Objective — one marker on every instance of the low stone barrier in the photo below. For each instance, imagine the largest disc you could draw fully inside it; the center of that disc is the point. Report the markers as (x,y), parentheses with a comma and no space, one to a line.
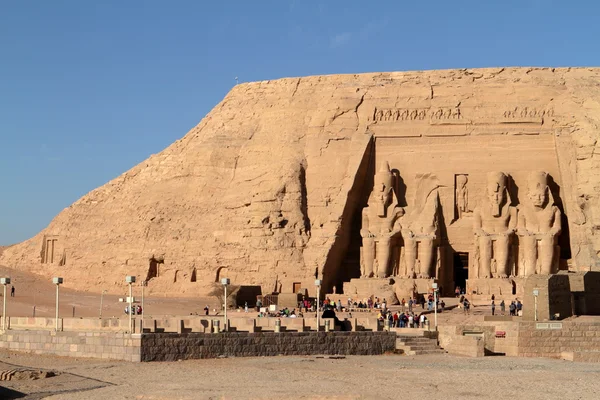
(172,347)
(186,324)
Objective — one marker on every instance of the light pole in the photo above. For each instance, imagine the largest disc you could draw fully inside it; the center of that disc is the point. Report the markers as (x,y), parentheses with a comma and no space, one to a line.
(225,283)
(318,285)
(144,284)
(536,293)
(4,282)
(435,290)
(57,281)
(130,280)
(101,302)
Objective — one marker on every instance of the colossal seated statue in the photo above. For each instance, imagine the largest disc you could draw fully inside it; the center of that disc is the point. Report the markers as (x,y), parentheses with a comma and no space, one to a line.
(494,225)
(378,225)
(538,228)
(420,230)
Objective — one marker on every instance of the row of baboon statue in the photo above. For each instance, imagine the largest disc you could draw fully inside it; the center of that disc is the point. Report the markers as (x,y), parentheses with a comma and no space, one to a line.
(496,224)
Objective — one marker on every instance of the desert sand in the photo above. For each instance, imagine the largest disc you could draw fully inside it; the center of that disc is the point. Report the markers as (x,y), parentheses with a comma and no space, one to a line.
(354,377)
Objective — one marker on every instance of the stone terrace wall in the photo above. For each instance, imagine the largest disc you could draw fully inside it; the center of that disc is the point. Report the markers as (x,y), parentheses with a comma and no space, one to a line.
(574,340)
(171,347)
(117,346)
(574,337)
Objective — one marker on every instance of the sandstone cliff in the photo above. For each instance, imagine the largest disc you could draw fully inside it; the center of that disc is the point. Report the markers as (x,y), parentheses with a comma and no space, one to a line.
(263,190)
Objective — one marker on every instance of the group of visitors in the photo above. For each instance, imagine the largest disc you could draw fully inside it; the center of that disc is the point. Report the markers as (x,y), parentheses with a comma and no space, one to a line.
(403,319)
(515,307)
(284,313)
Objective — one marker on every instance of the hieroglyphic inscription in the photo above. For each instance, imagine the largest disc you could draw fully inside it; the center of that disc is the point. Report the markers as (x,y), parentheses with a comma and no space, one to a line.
(399,114)
(452,113)
(416,114)
(519,114)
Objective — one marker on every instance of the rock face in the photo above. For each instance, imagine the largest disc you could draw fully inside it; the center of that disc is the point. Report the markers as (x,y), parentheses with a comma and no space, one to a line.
(269,188)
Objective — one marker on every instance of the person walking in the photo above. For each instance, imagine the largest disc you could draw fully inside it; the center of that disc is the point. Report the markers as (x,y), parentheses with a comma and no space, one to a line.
(502,307)
(493,307)
(12,291)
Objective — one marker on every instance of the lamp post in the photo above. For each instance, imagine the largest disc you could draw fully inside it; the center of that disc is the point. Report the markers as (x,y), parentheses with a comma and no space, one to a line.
(4,282)
(225,282)
(144,284)
(101,302)
(130,280)
(57,281)
(435,290)
(318,283)
(536,293)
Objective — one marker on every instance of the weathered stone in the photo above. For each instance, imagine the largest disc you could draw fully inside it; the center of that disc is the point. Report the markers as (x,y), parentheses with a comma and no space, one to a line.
(269,188)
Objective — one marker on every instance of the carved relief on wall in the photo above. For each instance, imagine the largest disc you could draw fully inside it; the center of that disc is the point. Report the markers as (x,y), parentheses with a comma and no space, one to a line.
(416,114)
(461,195)
(538,228)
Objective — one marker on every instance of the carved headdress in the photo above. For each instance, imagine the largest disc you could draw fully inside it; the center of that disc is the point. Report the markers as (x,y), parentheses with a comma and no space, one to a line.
(537,182)
(497,184)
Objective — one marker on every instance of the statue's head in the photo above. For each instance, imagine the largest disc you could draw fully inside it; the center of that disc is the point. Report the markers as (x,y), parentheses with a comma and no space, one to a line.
(538,188)
(496,191)
(461,181)
(383,178)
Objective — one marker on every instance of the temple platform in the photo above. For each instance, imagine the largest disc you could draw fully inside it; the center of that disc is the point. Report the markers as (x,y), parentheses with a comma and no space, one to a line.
(502,288)
(393,289)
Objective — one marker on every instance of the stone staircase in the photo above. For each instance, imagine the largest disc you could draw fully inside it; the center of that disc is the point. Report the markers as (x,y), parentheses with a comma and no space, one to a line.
(417,345)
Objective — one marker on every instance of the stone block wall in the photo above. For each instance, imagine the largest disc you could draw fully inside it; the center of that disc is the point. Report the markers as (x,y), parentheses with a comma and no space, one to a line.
(573,336)
(69,324)
(171,347)
(470,346)
(554,297)
(108,345)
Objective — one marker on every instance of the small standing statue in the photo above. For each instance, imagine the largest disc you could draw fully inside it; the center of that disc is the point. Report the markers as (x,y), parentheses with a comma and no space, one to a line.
(378,221)
(539,227)
(494,225)
(462,195)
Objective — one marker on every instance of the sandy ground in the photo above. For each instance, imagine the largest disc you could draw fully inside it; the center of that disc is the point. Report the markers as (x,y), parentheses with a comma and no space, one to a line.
(355,377)
(32,290)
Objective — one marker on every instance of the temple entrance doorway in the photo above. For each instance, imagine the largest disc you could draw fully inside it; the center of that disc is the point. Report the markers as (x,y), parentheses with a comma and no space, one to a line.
(461,270)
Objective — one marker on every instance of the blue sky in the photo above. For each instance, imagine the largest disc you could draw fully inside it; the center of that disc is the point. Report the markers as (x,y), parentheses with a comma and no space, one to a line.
(89,89)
